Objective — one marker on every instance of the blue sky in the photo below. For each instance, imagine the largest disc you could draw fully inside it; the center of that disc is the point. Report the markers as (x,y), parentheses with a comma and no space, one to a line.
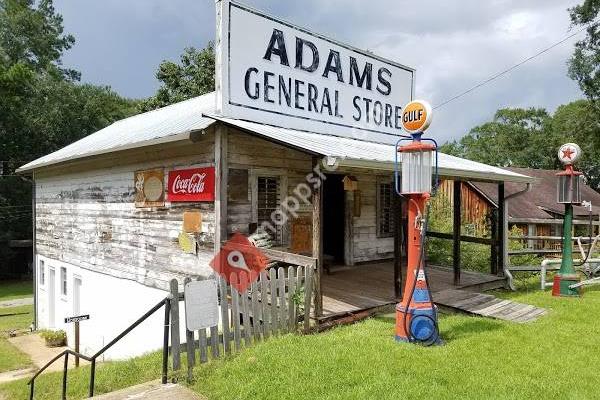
(453,44)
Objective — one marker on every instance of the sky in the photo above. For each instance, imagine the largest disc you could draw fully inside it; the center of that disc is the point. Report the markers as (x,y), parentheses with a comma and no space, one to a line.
(453,44)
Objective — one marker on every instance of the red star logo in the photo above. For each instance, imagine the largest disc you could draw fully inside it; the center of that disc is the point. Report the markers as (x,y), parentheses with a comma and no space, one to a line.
(567,153)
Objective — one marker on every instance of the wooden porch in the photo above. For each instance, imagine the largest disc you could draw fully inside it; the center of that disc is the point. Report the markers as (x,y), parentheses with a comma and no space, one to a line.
(351,289)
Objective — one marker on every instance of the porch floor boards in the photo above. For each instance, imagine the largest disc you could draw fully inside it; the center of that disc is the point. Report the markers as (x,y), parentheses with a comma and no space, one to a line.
(351,289)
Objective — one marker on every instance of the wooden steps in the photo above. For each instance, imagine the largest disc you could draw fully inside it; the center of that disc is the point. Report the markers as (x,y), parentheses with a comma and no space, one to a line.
(487,305)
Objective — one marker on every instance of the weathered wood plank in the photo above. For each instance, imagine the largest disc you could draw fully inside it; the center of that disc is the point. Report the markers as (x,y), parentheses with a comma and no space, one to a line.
(214,341)
(202,345)
(225,315)
(175,338)
(283,323)
(189,344)
(235,312)
(308,293)
(291,307)
(246,313)
(264,288)
(256,312)
(273,299)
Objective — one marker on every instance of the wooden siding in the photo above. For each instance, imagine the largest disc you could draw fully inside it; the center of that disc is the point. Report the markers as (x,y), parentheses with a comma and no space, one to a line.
(86,216)
(475,208)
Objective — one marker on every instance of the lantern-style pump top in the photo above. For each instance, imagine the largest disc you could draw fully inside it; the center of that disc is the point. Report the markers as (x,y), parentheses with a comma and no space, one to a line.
(417,157)
(569,186)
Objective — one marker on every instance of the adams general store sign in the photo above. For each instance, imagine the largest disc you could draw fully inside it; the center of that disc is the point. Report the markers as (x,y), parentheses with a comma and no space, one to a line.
(274,72)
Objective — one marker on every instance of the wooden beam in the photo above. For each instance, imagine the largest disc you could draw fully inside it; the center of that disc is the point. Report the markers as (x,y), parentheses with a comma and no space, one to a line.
(317,238)
(397,217)
(502,229)
(550,221)
(463,238)
(456,224)
(494,244)
(221,177)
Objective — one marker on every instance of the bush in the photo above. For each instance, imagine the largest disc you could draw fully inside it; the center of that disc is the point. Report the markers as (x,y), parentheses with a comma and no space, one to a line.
(54,338)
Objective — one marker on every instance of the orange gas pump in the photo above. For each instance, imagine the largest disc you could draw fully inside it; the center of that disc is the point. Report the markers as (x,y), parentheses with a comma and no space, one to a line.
(416,315)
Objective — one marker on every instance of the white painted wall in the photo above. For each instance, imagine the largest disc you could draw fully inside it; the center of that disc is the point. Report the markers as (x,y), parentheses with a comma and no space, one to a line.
(113,304)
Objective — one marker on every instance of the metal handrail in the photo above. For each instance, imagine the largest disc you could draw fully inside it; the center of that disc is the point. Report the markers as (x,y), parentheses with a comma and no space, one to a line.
(166,302)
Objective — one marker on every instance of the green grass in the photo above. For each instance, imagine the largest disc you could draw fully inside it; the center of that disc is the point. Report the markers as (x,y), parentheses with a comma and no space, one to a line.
(553,358)
(110,376)
(11,319)
(15,289)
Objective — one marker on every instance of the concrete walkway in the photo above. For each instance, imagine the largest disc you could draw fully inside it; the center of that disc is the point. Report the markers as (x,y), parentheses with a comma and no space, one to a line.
(26,301)
(153,390)
(35,347)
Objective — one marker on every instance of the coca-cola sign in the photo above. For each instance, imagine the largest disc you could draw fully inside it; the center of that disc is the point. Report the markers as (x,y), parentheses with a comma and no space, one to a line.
(197,184)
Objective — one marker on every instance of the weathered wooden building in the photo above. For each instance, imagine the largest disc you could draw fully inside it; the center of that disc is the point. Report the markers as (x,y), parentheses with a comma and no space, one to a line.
(152,197)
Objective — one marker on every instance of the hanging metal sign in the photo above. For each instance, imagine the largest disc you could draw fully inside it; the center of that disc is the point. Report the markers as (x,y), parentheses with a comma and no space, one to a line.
(77,318)
(201,304)
(274,72)
(569,153)
(196,184)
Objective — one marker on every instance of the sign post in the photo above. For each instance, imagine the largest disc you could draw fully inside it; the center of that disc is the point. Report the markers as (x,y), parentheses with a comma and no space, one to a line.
(76,320)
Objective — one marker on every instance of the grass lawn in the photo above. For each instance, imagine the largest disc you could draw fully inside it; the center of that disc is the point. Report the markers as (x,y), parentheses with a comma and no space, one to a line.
(13,318)
(553,358)
(15,289)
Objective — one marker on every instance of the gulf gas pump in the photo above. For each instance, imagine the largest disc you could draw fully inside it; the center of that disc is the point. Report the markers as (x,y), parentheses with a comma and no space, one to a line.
(416,315)
(568,193)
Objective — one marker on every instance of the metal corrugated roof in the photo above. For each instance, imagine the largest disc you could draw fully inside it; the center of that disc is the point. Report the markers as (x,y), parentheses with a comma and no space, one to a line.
(362,153)
(167,124)
(177,121)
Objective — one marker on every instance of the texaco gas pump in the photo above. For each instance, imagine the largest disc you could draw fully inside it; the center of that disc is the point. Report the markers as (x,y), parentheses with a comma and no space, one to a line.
(416,315)
(568,193)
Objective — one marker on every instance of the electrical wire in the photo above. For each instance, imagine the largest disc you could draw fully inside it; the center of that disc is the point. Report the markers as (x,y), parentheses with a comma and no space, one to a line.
(515,66)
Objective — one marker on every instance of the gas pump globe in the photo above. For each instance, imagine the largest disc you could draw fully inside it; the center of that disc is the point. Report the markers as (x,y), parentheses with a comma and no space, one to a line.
(417,167)
(568,193)
(568,185)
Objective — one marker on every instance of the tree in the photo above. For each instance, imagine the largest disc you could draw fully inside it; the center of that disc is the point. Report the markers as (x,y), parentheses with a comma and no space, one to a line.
(194,76)
(515,137)
(584,65)
(531,138)
(42,108)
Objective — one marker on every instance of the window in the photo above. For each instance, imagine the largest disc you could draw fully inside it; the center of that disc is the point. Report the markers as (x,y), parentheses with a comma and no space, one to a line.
(267,202)
(42,273)
(63,281)
(385,214)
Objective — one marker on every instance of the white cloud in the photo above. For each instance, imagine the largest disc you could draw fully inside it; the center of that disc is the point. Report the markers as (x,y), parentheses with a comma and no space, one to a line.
(453,44)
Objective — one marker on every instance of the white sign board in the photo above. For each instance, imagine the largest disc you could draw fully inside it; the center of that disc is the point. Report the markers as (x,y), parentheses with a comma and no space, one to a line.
(201,304)
(273,72)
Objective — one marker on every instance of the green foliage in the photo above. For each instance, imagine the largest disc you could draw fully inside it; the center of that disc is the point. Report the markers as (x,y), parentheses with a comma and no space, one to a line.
(193,76)
(15,290)
(41,108)
(531,138)
(514,138)
(584,65)
(54,338)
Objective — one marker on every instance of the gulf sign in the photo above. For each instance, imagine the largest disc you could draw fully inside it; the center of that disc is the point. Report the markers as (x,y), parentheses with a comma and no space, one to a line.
(416,116)
(274,72)
(196,184)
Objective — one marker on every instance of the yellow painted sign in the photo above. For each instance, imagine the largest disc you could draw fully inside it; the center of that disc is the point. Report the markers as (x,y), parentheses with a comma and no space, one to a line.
(416,116)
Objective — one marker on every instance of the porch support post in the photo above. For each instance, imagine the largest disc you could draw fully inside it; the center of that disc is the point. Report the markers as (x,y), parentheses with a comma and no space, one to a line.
(494,244)
(502,229)
(221,178)
(397,218)
(456,231)
(317,237)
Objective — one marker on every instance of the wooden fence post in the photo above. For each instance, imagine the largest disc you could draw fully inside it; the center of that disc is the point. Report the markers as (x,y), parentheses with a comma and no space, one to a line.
(225,315)
(189,344)
(175,338)
(308,288)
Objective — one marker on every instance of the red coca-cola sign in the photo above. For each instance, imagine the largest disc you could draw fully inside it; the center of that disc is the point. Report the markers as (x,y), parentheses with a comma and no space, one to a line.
(197,184)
